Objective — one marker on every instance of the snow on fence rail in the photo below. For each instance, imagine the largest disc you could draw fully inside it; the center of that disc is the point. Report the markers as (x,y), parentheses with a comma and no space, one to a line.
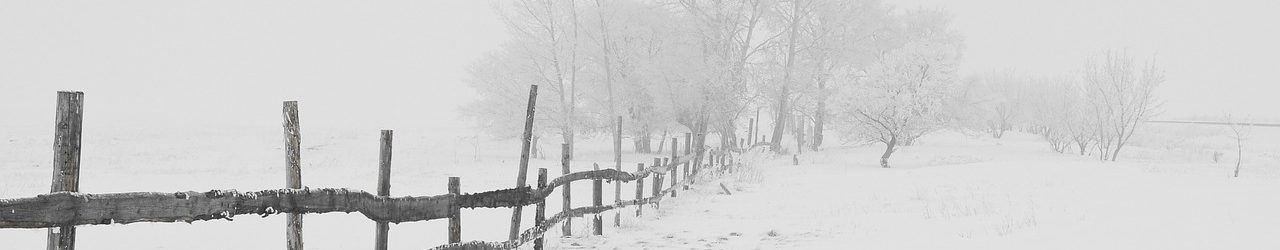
(65,207)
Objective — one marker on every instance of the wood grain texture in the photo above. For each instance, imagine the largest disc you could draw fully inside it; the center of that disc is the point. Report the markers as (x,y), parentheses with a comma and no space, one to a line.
(540,214)
(68,123)
(293,171)
(567,156)
(455,213)
(526,145)
(68,208)
(381,229)
(71,208)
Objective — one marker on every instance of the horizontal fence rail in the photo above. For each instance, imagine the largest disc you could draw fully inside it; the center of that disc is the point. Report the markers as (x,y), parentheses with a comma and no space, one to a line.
(1254,124)
(71,208)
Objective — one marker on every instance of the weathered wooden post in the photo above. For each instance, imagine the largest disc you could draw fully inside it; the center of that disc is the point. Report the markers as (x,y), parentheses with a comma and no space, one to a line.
(455,211)
(667,162)
(293,171)
(540,214)
(657,179)
(66,159)
(751,131)
(565,204)
(688,147)
(617,160)
(597,199)
(384,187)
(639,189)
(526,142)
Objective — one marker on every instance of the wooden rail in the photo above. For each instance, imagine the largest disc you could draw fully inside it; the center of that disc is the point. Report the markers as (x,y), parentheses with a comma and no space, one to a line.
(66,208)
(1255,124)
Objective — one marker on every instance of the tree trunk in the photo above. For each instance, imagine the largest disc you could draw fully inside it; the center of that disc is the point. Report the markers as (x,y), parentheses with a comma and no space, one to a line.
(819,117)
(641,140)
(780,124)
(799,130)
(888,150)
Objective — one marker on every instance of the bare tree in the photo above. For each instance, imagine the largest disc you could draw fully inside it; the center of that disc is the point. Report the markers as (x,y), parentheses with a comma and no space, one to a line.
(1121,93)
(1239,133)
(902,97)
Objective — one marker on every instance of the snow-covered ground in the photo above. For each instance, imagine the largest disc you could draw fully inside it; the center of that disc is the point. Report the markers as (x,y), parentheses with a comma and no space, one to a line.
(950,191)
(958,192)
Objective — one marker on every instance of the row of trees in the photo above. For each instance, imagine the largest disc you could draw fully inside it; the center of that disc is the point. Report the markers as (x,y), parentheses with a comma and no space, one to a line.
(874,73)
(702,65)
(1095,111)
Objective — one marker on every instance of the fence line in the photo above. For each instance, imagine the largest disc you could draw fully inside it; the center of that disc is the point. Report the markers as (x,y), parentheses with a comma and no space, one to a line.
(66,208)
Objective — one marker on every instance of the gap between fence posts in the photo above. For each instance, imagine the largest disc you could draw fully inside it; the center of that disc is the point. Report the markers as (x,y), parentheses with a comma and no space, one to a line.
(540,213)
(67,130)
(526,142)
(565,204)
(293,171)
(384,187)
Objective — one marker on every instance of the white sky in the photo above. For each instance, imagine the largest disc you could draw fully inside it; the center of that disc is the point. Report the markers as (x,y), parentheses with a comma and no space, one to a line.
(403,64)
(396,64)
(1220,56)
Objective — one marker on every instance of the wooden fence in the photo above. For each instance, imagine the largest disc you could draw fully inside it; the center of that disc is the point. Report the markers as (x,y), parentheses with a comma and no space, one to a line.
(65,207)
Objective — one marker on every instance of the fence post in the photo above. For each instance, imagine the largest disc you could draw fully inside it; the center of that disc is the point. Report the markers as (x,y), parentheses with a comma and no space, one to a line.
(293,171)
(675,177)
(565,204)
(657,180)
(639,189)
(526,142)
(540,214)
(597,199)
(66,164)
(751,132)
(617,160)
(455,211)
(384,187)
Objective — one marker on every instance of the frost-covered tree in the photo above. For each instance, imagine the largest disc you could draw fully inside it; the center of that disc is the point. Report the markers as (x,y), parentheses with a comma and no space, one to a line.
(544,50)
(902,97)
(1121,94)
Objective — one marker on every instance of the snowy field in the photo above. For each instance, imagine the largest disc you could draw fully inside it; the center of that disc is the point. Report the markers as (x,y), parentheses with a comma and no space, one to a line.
(950,191)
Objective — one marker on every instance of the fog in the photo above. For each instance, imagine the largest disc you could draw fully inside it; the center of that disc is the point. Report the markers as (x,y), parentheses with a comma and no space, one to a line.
(230,64)
(403,64)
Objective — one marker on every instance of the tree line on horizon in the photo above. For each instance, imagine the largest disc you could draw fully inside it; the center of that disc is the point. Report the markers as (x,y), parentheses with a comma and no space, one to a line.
(863,69)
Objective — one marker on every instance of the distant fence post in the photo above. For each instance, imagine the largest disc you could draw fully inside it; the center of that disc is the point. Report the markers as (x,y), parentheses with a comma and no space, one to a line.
(667,162)
(384,187)
(639,189)
(675,167)
(565,204)
(526,142)
(617,160)
(597,199)
(293,171)
(657,180)
(540,214)
(455,211)
(688,147)
(66,164)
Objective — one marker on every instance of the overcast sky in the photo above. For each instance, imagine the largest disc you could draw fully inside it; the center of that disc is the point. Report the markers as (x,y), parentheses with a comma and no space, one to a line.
(403,63)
